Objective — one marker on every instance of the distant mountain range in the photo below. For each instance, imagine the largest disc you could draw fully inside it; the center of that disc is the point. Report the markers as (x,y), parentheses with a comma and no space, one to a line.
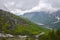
(49,19)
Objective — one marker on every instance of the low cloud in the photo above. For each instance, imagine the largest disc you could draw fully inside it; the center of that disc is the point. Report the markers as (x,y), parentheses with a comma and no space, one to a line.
(42,6)
(20,7)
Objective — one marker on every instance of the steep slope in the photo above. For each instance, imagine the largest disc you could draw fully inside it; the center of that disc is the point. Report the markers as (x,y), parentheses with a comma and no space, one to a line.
(57,13)
(56,25)
(10,23)
(43,17)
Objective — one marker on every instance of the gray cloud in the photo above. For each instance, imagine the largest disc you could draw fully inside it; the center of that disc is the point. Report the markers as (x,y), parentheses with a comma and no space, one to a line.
(20,4)
(26,4)
(54,3)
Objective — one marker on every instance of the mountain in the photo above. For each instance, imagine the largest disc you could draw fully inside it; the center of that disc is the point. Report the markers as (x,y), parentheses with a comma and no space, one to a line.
(44,17)
(57,13)
(13,24)
(57,25)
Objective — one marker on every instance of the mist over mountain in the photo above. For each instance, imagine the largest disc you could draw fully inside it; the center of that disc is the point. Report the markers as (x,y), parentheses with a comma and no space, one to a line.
(50,19)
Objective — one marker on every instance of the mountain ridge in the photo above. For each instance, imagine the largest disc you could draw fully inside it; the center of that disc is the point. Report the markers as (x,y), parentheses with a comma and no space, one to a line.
(43,17)
(10,23)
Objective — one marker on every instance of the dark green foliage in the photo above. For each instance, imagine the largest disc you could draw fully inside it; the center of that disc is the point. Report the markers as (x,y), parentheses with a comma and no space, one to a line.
(13,24)
(51,35)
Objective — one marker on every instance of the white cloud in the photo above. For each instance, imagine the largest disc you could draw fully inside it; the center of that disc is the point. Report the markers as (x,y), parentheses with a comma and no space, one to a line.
(28,4)
(41,6)
(17,6)
(9,5)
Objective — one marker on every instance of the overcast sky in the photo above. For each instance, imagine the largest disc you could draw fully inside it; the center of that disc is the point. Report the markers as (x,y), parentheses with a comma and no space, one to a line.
(28,5)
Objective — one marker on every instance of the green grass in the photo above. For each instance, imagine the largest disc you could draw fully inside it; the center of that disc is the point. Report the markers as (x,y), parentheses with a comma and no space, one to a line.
(16,25)
(13,24)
